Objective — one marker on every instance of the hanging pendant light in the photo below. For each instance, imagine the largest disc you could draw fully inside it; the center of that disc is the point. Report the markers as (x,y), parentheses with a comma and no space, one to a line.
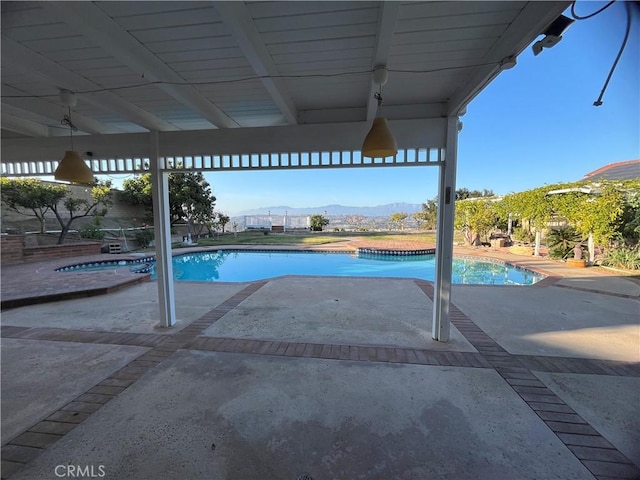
(379,142)
(72,168)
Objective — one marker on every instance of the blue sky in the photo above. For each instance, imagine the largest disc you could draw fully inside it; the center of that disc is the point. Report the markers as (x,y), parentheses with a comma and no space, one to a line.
(534,125)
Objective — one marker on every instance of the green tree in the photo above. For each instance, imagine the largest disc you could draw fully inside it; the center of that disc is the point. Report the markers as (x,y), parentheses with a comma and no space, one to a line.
(74,208)
(631,216)
(534,206)
(396,220)
(464,193)
(607,210)
(190,196)
(599,214)
(428,217)
(137,191)
(218,220)
(317,222)
(31,197)
(474,218)
(38,198)
(223,220)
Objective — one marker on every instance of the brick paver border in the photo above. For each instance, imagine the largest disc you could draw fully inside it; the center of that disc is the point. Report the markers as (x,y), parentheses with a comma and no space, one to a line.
(28,445)
(599,456)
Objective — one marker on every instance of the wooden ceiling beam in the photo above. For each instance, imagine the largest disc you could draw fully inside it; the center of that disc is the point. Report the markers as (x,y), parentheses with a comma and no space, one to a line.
(520,33)
(90,20)
(53,73)
(237,17)
(386,26)
(23,126)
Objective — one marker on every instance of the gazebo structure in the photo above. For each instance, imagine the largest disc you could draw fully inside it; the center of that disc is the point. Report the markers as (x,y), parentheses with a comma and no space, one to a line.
(222,86)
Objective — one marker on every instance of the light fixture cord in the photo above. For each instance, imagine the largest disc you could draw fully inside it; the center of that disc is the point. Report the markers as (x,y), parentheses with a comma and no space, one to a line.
(261,77)
(71,128)
(598,102)
(378,97)
(66,120)
(579,17)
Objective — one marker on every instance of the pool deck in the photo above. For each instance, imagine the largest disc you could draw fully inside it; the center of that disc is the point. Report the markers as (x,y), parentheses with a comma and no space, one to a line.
(327,377)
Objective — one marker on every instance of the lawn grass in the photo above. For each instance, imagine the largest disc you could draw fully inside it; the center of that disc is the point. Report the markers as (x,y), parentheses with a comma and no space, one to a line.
(408,236)
(251,238)
(310,238)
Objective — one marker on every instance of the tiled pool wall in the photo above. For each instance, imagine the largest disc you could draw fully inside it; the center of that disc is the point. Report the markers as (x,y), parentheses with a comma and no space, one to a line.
(395,253)
(145,264)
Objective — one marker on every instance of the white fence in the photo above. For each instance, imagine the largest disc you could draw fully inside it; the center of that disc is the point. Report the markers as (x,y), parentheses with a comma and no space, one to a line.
(268,222)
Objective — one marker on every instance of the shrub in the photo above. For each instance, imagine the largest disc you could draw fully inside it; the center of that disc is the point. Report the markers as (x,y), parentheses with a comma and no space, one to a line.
(523,235)
(623,257)
(143,237)
(562,241)
(92,231)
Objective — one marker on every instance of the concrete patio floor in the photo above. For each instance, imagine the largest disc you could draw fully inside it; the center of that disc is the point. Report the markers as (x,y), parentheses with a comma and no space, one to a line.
(333,378)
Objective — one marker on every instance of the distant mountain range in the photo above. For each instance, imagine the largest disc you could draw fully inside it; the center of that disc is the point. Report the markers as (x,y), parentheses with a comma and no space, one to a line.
(377,211)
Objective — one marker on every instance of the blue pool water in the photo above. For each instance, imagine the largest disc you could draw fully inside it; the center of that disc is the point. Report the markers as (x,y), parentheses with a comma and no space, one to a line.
(246,266)
(243,266)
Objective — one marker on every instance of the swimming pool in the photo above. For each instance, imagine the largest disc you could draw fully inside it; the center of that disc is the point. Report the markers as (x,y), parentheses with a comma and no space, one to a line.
(246,266)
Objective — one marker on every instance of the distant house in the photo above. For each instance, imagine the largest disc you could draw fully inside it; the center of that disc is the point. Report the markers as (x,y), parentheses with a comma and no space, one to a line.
(616,171)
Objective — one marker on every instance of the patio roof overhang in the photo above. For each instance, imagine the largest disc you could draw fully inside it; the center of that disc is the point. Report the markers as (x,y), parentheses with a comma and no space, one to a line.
(121,153)
(180,67)
(208,79)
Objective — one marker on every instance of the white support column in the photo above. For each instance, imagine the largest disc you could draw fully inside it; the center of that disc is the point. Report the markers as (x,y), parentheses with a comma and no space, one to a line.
(591,246)
(444,243)
(162,230)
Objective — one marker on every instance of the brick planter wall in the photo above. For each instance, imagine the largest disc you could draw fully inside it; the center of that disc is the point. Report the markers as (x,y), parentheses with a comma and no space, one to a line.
(14,252)
(11,249)
(50,252)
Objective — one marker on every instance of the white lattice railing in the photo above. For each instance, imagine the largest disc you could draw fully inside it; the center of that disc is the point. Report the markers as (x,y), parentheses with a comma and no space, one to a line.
(271,161)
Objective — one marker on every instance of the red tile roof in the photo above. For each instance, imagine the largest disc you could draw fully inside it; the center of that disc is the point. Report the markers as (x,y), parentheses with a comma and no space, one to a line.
(616,171)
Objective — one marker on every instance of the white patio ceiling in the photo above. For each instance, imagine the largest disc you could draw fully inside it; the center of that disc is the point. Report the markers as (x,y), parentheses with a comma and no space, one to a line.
(208,80)
(176,67)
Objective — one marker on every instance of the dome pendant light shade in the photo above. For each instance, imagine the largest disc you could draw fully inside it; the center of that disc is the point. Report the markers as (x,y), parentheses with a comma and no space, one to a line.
(379,142)
(72,168)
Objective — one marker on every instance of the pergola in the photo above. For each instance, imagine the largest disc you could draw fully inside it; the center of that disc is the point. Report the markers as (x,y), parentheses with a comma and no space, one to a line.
(220,86)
